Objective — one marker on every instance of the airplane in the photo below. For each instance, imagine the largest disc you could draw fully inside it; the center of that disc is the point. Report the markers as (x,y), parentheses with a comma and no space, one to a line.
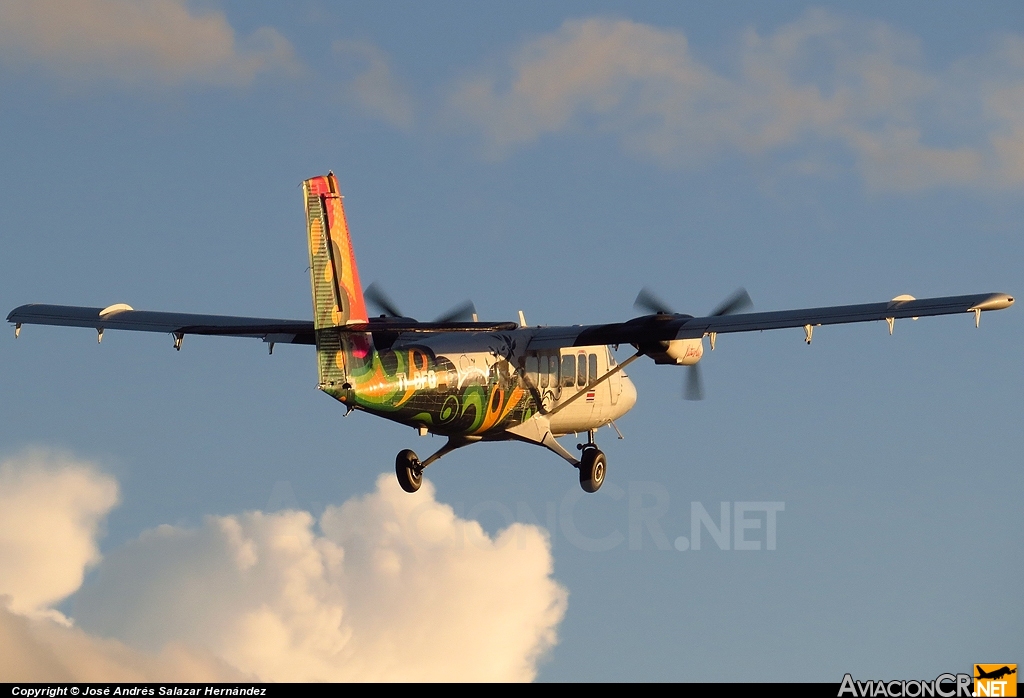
(996,674)
(474,381)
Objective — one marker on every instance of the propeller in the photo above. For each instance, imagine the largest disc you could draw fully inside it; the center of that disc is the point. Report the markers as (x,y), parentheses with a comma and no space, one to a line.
(693,387)
(373,293)
(460,313)
(646,300)
(736,303)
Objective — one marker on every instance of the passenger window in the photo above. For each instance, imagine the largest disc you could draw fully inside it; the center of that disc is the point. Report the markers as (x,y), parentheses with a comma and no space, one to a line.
(593,368)
(568,370)
(581,376)
(532,369)
(553,369)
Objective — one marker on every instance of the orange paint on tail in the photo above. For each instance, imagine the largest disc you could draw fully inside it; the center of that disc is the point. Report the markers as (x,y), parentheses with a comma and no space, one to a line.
(337,293)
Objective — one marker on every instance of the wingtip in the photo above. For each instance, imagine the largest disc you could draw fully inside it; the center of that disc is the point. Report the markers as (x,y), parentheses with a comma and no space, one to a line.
(996,301)
(13,315)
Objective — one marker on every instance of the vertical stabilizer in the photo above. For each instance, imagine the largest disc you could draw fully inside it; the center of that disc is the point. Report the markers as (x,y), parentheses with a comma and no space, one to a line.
(337,293)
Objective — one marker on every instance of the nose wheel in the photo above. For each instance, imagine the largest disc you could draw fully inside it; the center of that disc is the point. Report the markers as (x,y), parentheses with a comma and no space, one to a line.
(409,470)
(593,465)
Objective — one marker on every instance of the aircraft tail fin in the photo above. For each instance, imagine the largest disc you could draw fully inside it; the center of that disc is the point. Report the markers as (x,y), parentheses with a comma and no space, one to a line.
(337,293)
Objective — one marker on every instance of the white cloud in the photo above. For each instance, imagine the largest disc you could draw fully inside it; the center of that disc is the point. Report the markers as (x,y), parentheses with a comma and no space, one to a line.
(51,507)
(391,587)
(374,87)
(51,510)
(395,588)
(41,650)
(817,87)
(146,42)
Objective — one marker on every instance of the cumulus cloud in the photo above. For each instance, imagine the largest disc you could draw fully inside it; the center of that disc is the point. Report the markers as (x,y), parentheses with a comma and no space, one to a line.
(152,42)
(51,508)
(821,87)
(41,650)
(386,586)
(374,86)
(393,588)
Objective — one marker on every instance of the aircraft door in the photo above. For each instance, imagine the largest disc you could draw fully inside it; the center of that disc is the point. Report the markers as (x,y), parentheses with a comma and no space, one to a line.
(574,377)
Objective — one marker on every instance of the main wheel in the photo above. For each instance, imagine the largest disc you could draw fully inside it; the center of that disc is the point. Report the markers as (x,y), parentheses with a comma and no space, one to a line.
(592,469)
(408,470)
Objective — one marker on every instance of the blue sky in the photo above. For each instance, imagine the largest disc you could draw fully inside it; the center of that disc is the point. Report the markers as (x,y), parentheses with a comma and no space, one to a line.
(554,159)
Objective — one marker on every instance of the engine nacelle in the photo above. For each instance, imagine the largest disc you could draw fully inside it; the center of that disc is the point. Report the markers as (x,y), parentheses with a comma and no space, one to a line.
(679,352)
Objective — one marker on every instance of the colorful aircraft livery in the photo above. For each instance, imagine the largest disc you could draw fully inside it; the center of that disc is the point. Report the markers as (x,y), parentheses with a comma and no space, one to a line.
(477,381)
(337,294)
(410,383)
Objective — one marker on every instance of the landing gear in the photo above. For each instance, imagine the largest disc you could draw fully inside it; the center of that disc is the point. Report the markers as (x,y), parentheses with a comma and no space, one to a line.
(592,469)
(409,470)
(592,465)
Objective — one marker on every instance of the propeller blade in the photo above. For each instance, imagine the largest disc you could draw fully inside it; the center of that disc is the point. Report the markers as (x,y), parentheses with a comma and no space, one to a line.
(694,388)
(648,301)
(737,302)
(378,298)
(460,313)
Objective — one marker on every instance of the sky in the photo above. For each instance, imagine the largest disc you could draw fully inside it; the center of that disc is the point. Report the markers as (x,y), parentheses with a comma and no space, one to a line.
(208,514)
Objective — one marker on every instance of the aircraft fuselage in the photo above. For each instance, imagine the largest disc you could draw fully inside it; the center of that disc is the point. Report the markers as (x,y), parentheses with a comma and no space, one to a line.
(476,384)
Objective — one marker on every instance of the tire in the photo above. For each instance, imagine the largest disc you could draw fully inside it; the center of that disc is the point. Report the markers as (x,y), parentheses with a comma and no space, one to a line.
(593,468)
(408,470)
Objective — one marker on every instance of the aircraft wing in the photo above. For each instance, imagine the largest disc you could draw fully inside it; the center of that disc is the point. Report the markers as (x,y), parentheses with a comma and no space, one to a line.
(840,314)
(123,317)
(663,327)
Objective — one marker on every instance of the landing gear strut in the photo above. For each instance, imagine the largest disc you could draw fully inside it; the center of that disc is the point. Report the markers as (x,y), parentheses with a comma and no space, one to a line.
(409,468)
(592,465)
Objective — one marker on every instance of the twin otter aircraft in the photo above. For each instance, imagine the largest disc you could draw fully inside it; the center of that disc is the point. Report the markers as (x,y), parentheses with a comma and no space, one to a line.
(480,381)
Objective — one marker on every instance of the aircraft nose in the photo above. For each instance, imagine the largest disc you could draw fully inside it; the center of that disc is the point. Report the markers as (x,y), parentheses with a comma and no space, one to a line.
(627,398)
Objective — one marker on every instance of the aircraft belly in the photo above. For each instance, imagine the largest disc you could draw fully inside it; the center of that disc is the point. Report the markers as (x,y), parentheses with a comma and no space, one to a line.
(570,421)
